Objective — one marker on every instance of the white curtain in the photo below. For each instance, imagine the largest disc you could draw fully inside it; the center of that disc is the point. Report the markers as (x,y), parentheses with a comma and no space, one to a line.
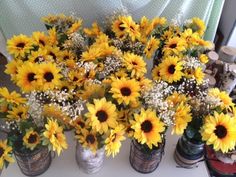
(23,16)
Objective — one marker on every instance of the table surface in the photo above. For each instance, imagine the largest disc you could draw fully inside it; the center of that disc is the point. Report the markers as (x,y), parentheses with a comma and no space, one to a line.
(66,166)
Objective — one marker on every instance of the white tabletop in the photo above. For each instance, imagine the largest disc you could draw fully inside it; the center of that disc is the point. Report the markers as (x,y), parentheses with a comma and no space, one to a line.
(66,166)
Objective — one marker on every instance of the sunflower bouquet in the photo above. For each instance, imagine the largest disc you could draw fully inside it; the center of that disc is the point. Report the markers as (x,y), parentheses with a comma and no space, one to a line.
(25,132)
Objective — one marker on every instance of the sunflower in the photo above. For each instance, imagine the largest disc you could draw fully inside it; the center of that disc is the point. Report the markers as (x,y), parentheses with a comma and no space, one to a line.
(190,37)
(53,53)
(145,83)
(88,139)
(151,47)
(117,27)
(75,26)
(53,135)
(49,76)
(78,123)
(156,73)
(19,45)
(125,91)
(176,98)
(135,64)
(19,112)
(174,46)
(92,54)
(27,77)
(170,69)
(203,58)
(12,68)
(5,153)
(224,98)
(102,115)
(94,31)
(66,55)
(148,128)
(198,26)
(55,112)
(31,139)
(52,34)
(130,27)
(92,91)
(66,87)
(220,131)
(40,39)
(12,97)
(38,56)
(113,141)
(182,117)
(199,75)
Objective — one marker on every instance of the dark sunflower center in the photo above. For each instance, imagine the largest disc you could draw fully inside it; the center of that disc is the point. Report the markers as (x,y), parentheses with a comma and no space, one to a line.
(32,138)
(146,126)
(171,69)
(30,77)
(90,139)
(102,116)
(1,151)
(125,91)
(66,57)
(121,27)
(42,42)
(75,79)
(48,76)
(81,124)
(21,45)
(65,89)
(53,55)
(134,63)
(173,46)
(37,59)
(20,114)
(220,131)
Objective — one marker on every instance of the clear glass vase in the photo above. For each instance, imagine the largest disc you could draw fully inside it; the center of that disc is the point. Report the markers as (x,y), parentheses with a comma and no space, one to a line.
(89,161)
(188,152)
(143,160)
(34,163)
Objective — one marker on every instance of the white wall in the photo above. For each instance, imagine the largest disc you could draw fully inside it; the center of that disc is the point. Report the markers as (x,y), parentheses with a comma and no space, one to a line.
(228,18)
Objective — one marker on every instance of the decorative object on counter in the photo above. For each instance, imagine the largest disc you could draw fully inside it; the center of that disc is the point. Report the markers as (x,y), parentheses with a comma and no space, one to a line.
(144,160)
(89,161)
(33,163)
(227,54)
(188,152)
(220,164)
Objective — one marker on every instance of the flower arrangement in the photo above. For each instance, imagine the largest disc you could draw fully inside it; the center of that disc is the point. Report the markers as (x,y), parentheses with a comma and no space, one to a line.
(26,132)
(94,80)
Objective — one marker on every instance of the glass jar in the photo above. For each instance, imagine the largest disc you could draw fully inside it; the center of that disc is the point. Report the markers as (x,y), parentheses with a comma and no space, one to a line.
(143,160)
(34,163)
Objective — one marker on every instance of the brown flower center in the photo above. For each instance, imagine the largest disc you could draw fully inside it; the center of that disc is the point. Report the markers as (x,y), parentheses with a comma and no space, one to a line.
(81,124)
(102,116)
(42,42)
(121,27)
(20,114)
(48,76)
(134,63)
(30,77)
(125,91)
(173,46)
(1,151)
(75,79)
(21,45)
(32,138)
(65,89)
(146,126)
(66,57)
(171,69)
(220,131)
(53,55)
(90,139)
